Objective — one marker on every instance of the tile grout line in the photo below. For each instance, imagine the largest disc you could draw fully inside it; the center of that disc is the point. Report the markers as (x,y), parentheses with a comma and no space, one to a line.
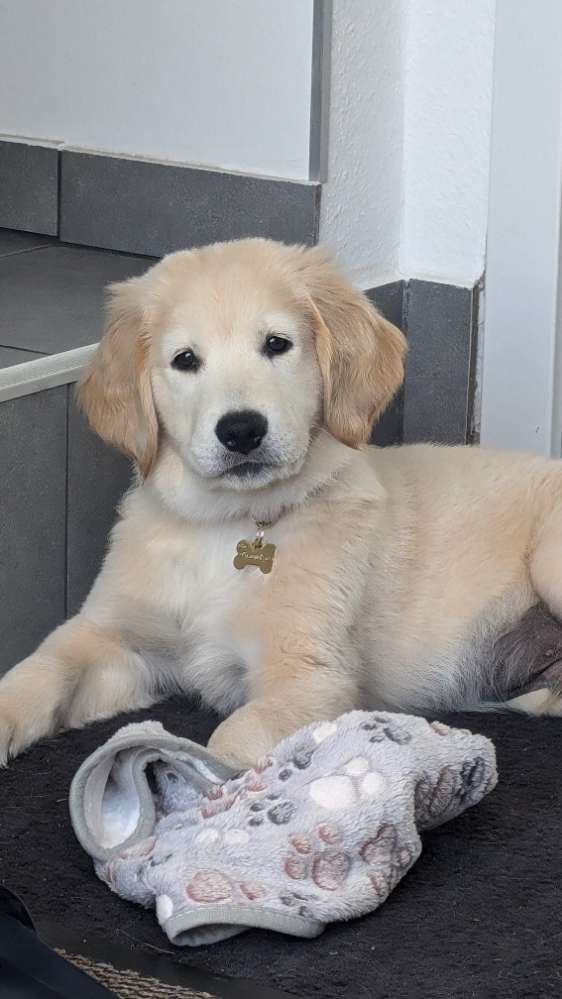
(20,253)
(59,191)
(23,350)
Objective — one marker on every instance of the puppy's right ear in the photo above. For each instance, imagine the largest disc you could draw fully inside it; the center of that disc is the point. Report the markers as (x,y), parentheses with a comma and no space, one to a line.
(115,392)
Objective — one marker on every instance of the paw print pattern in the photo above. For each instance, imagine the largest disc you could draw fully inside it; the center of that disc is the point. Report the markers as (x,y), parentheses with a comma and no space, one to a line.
(440,728)
(143,848)
(300,760)
(354,782)
(210,886)
(297,900)
(318,858)
(278,813)
(222,798)
(473,776)
(381,728)
(387,860)
(434,802)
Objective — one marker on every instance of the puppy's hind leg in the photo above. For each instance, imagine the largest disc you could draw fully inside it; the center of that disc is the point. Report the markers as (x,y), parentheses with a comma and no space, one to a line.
(80,672)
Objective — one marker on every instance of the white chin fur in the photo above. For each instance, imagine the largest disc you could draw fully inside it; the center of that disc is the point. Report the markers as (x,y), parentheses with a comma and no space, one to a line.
(185,493)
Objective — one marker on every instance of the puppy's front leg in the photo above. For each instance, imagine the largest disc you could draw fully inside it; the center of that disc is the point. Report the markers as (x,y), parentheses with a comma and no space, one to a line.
(79,673)
(255,728)
(306,666)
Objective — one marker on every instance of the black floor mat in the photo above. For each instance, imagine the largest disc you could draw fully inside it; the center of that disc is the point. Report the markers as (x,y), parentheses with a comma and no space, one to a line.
(478,917)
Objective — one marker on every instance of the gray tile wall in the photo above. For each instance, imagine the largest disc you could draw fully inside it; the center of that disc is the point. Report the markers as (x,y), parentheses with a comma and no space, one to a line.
(98,476)
(11,355)
(59,490)
(144,207)
(439,323)
(29,181)
(436,399)
(32,521)
(154,208)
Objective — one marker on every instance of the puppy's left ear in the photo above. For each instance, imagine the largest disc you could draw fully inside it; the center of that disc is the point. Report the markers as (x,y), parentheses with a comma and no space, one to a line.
(361,354)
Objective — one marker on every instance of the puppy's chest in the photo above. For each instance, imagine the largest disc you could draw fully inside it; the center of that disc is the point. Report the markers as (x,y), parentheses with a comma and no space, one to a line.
(214,602)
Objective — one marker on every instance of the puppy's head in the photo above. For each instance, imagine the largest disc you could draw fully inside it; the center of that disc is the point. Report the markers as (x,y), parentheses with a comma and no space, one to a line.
(237,354)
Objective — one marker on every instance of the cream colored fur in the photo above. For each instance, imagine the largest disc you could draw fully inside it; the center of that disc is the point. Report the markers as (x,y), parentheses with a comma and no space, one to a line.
(394,566)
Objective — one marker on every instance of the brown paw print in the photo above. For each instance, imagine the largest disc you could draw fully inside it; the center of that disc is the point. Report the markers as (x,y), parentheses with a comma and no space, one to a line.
(434,801)
(319,858)
(211,886)
(222,798)
(387,859)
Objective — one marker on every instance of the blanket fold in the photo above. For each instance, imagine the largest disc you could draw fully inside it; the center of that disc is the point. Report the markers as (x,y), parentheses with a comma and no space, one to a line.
(320,830)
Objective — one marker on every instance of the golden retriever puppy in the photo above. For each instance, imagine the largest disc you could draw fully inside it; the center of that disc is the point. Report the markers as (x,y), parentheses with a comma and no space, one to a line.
(267,559)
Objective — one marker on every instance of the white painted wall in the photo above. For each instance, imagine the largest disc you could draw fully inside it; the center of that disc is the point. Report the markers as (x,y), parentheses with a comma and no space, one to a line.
(522,357)
(362,200)
(448,74)
(409,139)
(224,83)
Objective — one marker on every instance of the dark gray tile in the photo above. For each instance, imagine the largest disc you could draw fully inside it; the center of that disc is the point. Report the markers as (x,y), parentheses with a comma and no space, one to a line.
(144,207)
(29,181)
(97,478)
(440,330)
(12,241)
(52,299)
(32,521)
(389,299)
(10,356)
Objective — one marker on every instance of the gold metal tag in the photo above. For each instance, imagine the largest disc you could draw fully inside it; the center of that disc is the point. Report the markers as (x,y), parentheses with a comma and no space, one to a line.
(255,553)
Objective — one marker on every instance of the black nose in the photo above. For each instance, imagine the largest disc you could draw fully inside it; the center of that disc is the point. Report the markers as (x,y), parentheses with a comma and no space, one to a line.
(242,431)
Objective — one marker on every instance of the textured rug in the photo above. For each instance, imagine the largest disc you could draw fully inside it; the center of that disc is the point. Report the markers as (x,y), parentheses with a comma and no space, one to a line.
(478,917)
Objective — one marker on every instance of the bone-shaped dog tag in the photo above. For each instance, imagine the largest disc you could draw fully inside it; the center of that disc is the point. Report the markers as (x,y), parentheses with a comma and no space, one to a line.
(255,553)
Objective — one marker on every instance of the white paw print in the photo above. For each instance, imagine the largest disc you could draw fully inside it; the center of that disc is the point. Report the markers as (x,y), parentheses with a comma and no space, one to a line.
(355,782)
(230,837)
(324,731)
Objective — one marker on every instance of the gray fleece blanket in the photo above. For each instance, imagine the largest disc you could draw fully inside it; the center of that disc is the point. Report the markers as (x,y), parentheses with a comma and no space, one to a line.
(321,830)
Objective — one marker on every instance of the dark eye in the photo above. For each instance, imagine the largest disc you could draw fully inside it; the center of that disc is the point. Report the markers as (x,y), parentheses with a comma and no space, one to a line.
(186,360)
(276,345)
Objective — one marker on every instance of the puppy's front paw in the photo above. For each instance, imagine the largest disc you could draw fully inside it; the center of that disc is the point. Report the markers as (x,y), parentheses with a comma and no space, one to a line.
(6,731)
(29,705)
(244,738)
(12,736)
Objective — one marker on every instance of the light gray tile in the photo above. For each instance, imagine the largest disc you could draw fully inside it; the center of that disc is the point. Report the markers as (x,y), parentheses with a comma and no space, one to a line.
(29,179)
(52,299)
(438,367)
(10,356)
(32,521)
(12,241)
(389,299)
(97,478)
(144,207)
